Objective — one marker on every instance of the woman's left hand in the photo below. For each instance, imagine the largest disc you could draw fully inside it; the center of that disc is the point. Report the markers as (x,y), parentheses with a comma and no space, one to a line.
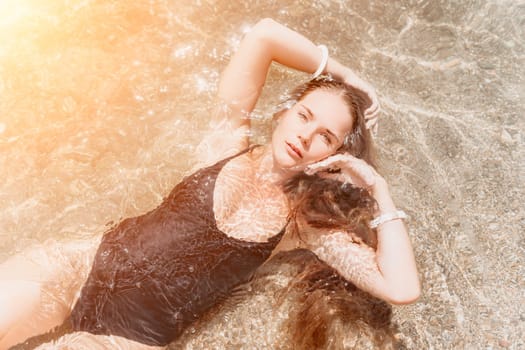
(372,111)
(352,170)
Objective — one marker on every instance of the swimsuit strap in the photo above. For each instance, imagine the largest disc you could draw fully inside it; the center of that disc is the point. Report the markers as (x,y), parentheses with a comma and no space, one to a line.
(222,162)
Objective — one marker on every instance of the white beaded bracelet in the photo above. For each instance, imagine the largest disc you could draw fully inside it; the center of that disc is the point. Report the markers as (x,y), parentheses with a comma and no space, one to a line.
(381,219)
(324,62)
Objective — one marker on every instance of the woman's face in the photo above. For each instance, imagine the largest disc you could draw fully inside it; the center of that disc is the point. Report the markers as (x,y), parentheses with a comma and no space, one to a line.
(313,129)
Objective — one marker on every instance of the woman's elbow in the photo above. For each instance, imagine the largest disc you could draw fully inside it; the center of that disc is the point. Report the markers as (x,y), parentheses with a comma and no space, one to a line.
(406,296)
(264,28)
(265,23)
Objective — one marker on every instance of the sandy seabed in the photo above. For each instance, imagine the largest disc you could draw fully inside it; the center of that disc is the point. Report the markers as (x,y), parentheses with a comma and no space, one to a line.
(103,102)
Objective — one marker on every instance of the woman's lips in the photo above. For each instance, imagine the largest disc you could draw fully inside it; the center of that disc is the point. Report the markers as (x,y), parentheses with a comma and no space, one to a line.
(294,150)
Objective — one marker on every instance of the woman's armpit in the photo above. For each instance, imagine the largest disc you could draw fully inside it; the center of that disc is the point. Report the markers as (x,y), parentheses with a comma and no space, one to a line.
(220,141)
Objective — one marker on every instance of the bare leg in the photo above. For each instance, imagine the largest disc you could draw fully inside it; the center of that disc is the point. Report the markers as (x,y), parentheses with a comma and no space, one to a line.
(39,287)
(87,341)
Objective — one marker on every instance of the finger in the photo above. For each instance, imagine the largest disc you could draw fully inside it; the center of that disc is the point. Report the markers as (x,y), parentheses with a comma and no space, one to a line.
(315,168)
(324,164)
(371,114)
(338,177)
(341,161)
(373,110)
(331,160)
(353,170)
(358,164)
(377,108)
(371,124)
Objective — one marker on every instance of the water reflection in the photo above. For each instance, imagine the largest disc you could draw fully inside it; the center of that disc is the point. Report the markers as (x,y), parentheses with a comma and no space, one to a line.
(103,102)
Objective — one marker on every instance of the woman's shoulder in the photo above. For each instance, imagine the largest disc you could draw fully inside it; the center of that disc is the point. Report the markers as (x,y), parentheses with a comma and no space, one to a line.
(216,147)
(221,140)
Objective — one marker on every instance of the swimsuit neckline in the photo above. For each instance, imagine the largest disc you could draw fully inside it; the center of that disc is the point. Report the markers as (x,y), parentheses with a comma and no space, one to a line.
(222,163)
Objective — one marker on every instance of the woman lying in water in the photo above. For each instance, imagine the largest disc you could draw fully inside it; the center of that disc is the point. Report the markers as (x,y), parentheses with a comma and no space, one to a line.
(151,276)
(317,308)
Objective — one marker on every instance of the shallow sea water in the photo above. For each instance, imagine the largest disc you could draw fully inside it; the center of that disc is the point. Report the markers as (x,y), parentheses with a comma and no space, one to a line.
(103,102)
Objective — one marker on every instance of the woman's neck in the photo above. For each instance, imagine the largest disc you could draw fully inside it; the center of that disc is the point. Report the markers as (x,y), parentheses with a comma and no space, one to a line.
(265,168)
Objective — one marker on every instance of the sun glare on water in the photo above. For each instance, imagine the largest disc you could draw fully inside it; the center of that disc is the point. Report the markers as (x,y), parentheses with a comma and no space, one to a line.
(35,41)
(11,11)
(24,16)
(70,118)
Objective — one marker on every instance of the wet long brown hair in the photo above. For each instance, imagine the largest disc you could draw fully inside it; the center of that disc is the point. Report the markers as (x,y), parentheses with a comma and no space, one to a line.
(330,204)
(325,298)
(329,312)
(329,308)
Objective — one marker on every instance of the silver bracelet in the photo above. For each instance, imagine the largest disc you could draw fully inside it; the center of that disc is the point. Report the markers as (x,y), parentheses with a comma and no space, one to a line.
(381,219)
(324,62)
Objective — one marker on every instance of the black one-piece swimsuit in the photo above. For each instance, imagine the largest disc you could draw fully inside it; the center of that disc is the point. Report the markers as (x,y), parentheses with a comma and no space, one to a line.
(155,274)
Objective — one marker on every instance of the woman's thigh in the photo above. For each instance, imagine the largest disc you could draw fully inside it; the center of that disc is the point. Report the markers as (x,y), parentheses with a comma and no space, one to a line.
(39,286)
(88,341)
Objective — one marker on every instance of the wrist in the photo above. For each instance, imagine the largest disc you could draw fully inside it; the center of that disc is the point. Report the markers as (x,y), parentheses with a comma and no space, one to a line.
(381,194)
(380,187)
(386,217)
(335,69)
(323,63)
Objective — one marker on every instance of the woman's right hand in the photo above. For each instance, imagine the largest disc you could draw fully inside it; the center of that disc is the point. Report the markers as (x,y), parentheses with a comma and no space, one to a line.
(351,170)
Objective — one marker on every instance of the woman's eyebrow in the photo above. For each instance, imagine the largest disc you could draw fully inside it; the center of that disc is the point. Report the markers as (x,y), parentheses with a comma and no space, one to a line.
(313,116)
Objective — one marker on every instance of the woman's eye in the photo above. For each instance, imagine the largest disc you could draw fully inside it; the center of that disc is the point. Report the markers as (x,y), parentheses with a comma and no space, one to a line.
(303,116)
(326,138)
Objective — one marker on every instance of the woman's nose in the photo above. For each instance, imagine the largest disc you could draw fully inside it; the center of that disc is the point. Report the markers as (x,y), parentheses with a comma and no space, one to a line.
(303,141)
(305,136)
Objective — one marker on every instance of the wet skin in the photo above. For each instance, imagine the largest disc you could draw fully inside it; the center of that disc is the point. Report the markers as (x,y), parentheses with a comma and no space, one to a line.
(313,129)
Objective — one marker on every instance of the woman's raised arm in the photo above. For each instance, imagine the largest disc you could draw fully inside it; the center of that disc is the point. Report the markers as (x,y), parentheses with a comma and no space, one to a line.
(242,80)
